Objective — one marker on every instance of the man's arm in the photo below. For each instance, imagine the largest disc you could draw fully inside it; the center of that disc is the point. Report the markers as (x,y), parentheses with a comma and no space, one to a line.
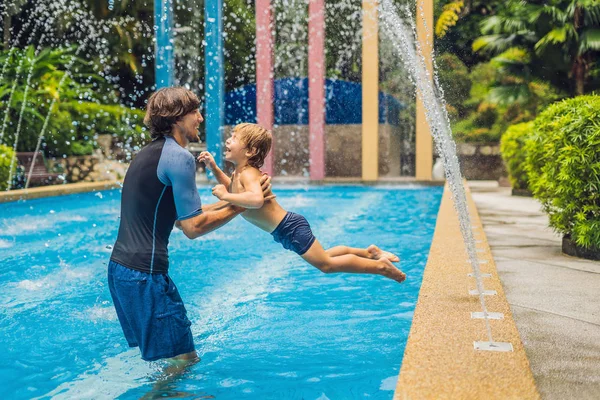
(214,206)
(210,220)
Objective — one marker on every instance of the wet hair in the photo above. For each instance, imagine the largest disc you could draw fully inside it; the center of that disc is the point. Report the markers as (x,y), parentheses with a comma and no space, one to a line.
(257,139)
(166,107)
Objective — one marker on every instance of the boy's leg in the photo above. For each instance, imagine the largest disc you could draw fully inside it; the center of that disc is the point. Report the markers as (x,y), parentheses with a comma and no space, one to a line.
(373,252)
(317,257)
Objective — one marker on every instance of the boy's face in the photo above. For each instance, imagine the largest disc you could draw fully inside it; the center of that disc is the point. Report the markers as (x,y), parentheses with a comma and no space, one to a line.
(235,150)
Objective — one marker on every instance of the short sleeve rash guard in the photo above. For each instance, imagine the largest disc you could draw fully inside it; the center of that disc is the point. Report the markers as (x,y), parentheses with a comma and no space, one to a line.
(159,188)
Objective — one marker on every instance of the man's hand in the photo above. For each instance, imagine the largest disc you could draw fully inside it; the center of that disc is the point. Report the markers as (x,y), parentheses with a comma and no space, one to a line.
(220,191)
(208,160)
(265,184)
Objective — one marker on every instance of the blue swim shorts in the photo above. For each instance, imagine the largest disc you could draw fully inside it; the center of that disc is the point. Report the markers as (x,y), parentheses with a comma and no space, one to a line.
(294,233)
(151,312)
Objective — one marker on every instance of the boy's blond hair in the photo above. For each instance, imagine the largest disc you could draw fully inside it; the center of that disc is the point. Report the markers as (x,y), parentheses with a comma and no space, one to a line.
(257,139)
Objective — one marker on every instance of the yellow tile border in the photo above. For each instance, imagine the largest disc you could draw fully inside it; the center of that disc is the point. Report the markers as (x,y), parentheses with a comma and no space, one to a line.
(56,190)
(440,361)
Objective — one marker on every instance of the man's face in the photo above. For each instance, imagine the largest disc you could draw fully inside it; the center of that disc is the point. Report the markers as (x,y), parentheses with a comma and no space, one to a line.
(190,124)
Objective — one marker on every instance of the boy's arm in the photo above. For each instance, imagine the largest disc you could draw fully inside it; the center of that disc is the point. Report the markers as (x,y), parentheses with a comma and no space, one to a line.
(251,198)
(221,176)
(209,161)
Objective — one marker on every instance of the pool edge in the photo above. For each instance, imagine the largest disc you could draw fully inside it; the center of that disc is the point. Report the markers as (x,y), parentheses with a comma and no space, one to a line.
(439,359)
(56,190)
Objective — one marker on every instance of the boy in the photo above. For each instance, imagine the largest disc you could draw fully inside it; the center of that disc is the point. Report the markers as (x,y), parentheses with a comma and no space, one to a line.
(247,148)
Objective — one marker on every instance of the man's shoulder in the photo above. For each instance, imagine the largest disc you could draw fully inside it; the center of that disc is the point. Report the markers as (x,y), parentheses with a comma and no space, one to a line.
(175,152)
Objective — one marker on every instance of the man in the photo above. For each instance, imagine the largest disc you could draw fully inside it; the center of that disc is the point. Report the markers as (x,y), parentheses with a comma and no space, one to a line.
(159,189)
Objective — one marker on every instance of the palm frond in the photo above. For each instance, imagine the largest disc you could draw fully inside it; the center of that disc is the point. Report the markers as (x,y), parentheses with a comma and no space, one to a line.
(556,14)
(493,43)
(556,36)
(590,40)
(510,94)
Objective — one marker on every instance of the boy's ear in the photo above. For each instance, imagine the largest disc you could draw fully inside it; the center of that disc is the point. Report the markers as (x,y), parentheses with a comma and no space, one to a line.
(252,152)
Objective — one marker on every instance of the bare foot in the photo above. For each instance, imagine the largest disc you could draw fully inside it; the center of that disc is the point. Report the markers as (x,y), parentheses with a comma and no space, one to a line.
(376,253)
(391,271)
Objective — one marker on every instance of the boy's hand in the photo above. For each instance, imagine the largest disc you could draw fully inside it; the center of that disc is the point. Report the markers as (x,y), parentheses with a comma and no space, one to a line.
(208,160)
(220,191)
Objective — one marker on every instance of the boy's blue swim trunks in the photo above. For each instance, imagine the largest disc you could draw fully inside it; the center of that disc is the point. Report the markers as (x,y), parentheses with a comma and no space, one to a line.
(294,233)
(151,312)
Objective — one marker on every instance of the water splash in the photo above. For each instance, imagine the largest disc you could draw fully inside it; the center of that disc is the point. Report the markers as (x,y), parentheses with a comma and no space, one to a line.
(414,60)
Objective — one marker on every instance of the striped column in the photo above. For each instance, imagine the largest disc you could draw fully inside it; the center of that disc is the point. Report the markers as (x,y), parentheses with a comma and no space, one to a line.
(370,92)
(424,142)
(264,73)
(214,78)
(163,63)
(316,88)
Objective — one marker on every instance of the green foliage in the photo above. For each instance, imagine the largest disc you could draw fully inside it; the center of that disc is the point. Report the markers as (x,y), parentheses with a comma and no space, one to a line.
(92,119)
(454,78)
(563,164)
(512,148)
(6,156)
(504,92)
(562,36)
(448,18)
(486,115)
(458,39)
(73,123)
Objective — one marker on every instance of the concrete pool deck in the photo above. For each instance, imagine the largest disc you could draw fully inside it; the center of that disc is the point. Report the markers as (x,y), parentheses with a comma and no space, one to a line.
(553,297)
(440,361)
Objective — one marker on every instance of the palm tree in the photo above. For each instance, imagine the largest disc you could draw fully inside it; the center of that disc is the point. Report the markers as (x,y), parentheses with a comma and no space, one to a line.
(567,31)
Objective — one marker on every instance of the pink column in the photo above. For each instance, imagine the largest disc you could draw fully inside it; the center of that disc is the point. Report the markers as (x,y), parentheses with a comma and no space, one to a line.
(316,88)
(264,73)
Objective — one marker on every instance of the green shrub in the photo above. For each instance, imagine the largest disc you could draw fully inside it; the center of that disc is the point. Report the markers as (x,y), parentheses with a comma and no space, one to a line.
(470,131)
(84,121)
(486,115)
(6,156)
(563,165)
(512,148)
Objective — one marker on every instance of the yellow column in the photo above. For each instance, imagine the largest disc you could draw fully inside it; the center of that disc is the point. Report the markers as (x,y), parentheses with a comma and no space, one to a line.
(370,92)
(424,143)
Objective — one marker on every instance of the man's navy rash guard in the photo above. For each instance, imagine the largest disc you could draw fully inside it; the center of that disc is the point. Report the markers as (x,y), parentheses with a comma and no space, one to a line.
(159,188)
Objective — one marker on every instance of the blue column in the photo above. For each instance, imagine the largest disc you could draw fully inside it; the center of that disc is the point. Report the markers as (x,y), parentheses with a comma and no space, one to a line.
(163,26)
(214,78)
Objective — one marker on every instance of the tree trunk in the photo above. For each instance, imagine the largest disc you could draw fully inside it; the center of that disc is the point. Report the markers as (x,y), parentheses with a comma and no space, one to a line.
(6,29)
(578,72)
(579,64)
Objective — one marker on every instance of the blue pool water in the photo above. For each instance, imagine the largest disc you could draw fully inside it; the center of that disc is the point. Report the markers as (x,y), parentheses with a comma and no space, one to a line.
(266,324)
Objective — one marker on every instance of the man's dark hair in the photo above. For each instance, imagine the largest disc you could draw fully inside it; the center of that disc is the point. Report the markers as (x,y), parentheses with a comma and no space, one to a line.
(166,106)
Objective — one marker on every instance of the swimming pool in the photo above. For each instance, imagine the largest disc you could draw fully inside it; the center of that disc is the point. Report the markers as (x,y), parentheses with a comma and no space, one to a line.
(266,324)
